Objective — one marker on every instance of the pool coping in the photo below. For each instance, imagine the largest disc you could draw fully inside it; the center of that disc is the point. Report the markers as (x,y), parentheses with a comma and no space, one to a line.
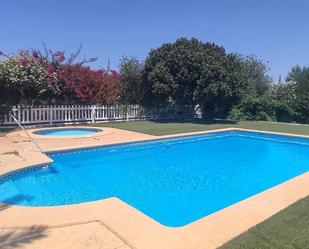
(142,231)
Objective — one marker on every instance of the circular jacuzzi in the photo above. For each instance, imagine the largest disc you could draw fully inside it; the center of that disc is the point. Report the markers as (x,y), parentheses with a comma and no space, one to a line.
(64,132)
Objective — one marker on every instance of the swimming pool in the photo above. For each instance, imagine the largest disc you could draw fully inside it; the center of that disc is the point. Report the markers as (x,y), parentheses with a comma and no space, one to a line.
(67,132)
(174,181)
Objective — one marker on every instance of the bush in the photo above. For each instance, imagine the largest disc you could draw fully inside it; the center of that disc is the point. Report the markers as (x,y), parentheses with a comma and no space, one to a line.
(284,111)
(301,76)
(83,85)
(284,91)
(264,109)
(26,79)
(30,78)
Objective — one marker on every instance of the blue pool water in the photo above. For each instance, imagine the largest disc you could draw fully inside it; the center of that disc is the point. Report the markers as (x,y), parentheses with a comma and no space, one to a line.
(67,131)
(175,181)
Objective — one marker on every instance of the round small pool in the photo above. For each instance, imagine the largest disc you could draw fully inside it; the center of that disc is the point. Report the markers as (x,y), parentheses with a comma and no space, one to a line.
(61,132)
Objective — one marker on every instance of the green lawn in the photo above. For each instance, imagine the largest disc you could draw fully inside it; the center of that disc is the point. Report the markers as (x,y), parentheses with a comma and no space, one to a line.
(165,127)
(180,126)
(289,229)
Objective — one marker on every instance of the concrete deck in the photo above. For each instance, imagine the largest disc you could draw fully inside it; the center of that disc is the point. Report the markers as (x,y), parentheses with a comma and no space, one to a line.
(111,223)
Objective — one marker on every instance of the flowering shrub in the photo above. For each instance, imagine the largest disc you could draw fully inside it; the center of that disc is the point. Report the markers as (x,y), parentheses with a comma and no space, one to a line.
(31,78)
(77,83)
(27,78)
(81,84)
(108,87)
(284,91)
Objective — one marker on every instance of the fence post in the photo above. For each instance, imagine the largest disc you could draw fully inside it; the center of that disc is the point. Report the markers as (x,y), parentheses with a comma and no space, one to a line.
(127,108)
(50,109)
(93,114)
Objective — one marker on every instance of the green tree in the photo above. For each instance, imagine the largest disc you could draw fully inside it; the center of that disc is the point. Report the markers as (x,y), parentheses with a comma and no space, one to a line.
(223,84)
(190,72)
(256,70)
(301,76)
(131,77)
(172,71)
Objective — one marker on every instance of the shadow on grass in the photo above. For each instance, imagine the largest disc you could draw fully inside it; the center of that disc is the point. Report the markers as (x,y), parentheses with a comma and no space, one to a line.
(195,121)
(17,238)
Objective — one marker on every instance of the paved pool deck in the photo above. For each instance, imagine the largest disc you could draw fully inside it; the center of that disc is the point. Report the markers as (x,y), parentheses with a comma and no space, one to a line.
(111,223)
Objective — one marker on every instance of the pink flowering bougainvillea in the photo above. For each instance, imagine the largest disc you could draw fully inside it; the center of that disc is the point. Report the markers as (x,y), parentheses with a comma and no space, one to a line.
(31,77)
(81,84)
(77,83)
(109,87)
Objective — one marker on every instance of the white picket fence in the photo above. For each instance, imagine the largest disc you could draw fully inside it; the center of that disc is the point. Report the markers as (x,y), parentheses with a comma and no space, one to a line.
(89,114)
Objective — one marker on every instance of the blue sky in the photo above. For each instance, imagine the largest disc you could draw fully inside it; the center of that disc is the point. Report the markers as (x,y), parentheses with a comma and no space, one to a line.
(276,31)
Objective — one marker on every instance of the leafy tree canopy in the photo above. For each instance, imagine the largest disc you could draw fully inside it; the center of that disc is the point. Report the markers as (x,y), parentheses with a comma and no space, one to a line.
(257,74)
(172,71)
(131,76)
(192,72)
(301,76)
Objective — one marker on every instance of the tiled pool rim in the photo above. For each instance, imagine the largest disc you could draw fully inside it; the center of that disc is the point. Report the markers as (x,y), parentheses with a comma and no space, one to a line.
(120,214)
(43,166)
(19,172)
(171,138)
(4,177)
(132,143)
